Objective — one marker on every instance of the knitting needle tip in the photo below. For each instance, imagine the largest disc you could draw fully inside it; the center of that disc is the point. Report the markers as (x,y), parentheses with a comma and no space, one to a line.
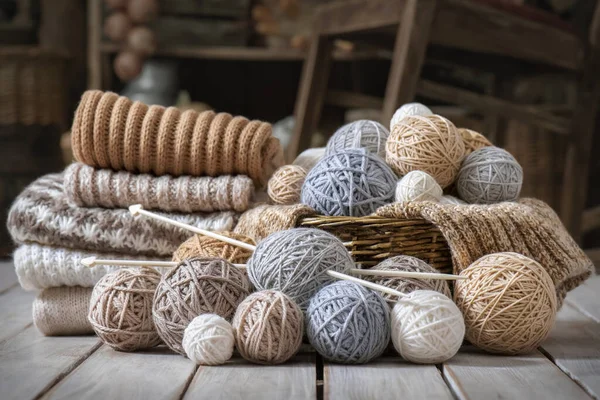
(135,209)
(88,261)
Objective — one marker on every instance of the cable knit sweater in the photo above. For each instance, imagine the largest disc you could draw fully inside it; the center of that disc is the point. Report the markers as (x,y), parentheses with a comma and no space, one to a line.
(86,186)
(42,214)
(63,311)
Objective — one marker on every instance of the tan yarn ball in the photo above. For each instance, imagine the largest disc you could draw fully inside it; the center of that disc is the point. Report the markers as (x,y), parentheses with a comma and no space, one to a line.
(508,302)
(127,65)
(141,41)
(204,246)
(426,143)
(268,327)
(285,185)
(121,309)
(117,26)
(143,11)
(473,140)
(196,286)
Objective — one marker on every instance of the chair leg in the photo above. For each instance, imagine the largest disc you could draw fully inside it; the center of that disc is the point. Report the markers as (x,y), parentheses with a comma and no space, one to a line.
(412,38)
(313,88)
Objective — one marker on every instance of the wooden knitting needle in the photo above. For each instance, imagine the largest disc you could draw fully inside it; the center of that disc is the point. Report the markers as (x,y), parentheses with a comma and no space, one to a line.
(138,209)
(93,261)
(367,284)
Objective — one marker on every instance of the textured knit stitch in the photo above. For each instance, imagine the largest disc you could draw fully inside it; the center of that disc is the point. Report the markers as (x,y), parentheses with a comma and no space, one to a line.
(117,133)
(86,186)
(63,311)
(263,220)
(42,214)
(529,227)
(41,267)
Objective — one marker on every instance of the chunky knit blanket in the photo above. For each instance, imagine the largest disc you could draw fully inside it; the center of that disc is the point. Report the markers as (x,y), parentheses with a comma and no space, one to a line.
(113,132)
(42,214)
(529,227)
(41,267)
(262,220)
(86,186)
(63,311)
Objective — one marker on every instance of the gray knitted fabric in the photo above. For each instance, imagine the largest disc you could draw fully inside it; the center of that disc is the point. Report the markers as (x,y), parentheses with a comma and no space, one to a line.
(42,214)
(86,186)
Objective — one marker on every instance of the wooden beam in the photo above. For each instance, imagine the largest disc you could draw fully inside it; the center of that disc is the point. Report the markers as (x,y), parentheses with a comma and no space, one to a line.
(591,219)
(94,39)
(346,99)
(354,16)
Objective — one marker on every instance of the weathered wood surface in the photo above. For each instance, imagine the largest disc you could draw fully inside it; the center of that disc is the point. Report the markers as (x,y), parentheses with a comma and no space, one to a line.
(8,278)
(586,298)
(15,311)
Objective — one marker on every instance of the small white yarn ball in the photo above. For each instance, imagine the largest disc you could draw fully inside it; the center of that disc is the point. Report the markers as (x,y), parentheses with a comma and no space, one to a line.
(361,134)
(448,199)
(427,327)
(407,110)
(208,340)
(418,186)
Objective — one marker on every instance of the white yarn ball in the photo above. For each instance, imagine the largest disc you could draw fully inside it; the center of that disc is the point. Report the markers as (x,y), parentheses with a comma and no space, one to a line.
(427,327)
(208,340)
(407,110)
(447,199)
(418,186)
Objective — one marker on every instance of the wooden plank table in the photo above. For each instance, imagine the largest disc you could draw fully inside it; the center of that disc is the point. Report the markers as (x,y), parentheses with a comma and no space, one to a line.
(566,366)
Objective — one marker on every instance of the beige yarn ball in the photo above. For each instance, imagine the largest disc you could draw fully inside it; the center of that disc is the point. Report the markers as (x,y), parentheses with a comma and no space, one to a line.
(204,246)
(418,186)
(268,327)
(508,302)
(121,309)
(430,144)
(285,185)
(473,140)
(196,286)
(408,285)
(209,340)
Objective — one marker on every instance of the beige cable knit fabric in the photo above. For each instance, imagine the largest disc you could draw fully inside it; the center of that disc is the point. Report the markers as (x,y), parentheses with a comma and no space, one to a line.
(63,311)
(264,219)
(113,132)
(86,186)
(41,267)
(529,227)
(42,214)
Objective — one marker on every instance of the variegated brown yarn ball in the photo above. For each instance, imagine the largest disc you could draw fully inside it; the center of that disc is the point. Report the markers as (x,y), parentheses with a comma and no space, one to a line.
(204,246)
(473,140)
(285,185)
(121,309)
(196,286)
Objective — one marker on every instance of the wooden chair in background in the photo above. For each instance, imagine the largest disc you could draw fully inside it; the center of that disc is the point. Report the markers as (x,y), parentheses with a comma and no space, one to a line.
(492,27)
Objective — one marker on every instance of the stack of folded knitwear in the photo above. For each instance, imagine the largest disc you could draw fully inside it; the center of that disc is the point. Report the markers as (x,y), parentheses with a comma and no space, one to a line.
(197,168)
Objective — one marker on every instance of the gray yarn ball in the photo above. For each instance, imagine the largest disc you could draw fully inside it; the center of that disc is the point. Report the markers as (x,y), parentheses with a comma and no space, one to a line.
(489,175)
(348,323)
(352,182)
(367,134)
(296,261)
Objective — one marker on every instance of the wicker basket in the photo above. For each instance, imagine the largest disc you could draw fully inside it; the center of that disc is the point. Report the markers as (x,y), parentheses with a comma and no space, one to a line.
(372,239)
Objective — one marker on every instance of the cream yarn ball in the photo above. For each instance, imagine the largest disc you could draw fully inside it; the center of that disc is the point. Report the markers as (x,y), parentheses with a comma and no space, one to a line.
(418,186)
(208,340)
(407,110)
(427,327)
(430,144)
(285,185)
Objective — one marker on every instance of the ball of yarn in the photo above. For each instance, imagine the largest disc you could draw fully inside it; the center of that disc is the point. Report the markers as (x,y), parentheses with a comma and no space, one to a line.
(348,323)
(351,182)
(127,65)
(208,340)
(418,186)
(121,309)
(366,134)
(489,175)
(141,41)
(204,246)
(427,327)
(430,144)
(407,285)
(407,110)
(142,11)
(268,327)
(448,199)
(309,158)
(296,261)
(285,185)
(196,286)
(473,140)
(508,301)
(117,26)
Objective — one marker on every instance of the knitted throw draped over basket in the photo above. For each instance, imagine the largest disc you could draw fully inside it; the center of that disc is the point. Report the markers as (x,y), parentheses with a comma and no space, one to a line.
(529,227)
(262,220)
(111,131)
(86,186)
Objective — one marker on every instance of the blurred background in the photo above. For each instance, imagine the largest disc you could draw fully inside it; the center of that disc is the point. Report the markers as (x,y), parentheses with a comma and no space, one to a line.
(246,57)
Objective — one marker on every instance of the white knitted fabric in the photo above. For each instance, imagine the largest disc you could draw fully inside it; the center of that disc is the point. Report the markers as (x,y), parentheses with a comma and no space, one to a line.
(41,267)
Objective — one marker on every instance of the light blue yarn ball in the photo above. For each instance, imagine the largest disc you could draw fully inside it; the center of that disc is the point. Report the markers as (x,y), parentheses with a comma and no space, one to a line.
(352,182)
(366,134)
(348,323)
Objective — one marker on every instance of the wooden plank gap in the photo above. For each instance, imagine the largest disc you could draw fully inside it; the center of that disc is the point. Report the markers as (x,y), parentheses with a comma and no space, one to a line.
(189,382)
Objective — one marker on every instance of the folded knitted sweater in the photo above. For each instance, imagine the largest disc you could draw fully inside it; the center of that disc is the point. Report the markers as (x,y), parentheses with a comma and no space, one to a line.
(63,311)
(42,214)
(41,267)
(86,186)
(110,131)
